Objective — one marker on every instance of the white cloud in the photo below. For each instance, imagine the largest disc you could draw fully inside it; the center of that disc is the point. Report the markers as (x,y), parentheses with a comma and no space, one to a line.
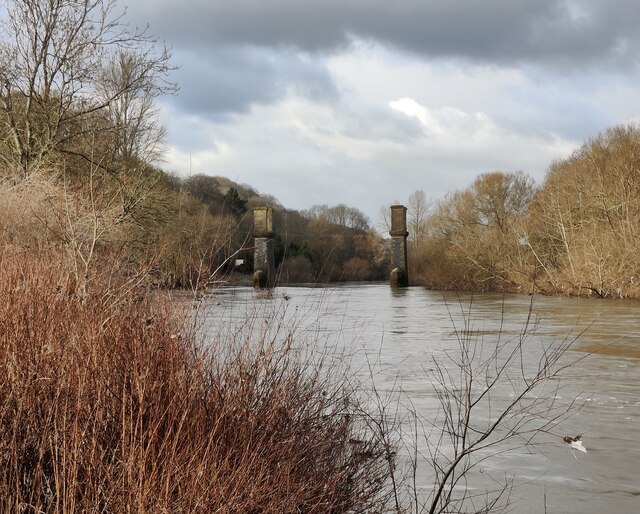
(362,153)
(445,121)
(365,123)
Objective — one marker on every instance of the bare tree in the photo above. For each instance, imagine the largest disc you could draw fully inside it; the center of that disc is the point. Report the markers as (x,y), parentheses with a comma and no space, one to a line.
(340,215)
(476,238)
(495,397)
(500,198)
(384,219)
(54,87)
(583,225)
(418,209)
(137,132)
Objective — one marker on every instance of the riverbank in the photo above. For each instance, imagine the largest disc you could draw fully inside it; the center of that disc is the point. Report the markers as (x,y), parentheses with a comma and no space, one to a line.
(108,403)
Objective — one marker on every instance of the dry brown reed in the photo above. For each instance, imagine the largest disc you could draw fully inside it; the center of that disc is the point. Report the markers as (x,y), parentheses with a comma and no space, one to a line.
(113,407)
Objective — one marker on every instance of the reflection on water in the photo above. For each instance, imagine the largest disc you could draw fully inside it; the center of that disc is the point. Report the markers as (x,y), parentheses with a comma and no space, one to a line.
(402,331)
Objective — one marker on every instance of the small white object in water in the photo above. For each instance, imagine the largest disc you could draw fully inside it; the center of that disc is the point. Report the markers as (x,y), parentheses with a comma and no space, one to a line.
(575,442)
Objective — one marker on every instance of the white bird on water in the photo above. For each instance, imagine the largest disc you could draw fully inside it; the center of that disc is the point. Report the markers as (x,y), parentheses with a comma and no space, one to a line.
(575,442)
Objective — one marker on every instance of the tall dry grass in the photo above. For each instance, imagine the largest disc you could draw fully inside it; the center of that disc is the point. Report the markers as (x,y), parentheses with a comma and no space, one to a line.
(113,407)
(27,218)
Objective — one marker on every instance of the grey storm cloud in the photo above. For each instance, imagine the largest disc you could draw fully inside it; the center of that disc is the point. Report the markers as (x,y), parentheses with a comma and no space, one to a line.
(557,32)
(229,80)
(235,54)
(485,85)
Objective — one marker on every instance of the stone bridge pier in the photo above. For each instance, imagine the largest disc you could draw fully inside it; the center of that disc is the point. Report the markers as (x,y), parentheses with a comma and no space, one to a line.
(399,272)
(264,272)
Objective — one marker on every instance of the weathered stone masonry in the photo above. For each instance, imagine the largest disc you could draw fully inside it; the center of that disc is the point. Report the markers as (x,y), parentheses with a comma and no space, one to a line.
(264,273)
(399,273)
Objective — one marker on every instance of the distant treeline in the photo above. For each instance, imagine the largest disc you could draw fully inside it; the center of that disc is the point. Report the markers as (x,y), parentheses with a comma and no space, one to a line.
(321,244)
(181,232)
(578,233)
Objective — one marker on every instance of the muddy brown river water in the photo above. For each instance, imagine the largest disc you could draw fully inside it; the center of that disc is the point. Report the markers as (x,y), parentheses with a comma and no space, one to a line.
(398,334)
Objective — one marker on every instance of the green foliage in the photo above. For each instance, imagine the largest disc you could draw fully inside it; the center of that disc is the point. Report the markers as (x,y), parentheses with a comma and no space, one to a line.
(299,249)
(234,203)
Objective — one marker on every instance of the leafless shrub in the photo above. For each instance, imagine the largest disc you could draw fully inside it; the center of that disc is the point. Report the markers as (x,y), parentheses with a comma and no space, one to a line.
(25,217)
(491,394)
(497,395)
(113,407)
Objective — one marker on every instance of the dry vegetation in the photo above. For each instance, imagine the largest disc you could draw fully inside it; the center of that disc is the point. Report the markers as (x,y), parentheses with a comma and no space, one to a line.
(576,234)
(109,406)
(585,220)
(109,403)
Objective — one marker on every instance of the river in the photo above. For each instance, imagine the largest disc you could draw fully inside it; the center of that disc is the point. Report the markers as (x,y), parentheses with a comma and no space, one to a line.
(396,335)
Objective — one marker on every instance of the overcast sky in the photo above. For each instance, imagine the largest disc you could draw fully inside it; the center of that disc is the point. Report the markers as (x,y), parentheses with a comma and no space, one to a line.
(365,101)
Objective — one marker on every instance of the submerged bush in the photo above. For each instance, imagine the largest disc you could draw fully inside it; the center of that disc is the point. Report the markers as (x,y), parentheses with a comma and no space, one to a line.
(110,405)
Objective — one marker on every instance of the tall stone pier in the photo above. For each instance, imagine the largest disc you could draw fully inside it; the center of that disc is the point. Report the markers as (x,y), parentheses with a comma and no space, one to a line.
(264,272)
(399,272)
